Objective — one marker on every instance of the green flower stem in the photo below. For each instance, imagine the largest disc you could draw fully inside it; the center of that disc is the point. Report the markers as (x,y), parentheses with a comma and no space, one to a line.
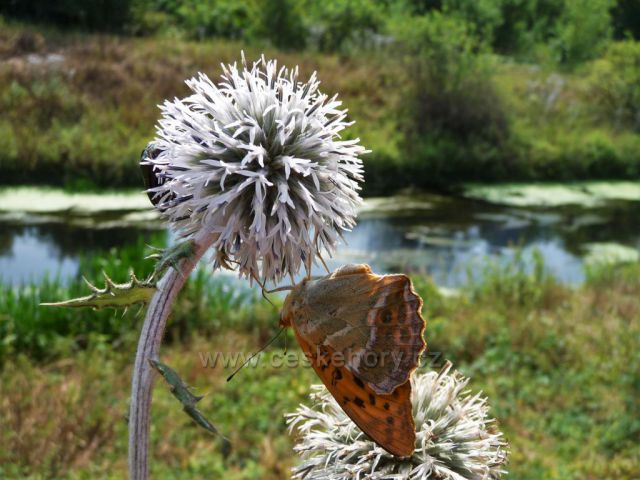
(148,348)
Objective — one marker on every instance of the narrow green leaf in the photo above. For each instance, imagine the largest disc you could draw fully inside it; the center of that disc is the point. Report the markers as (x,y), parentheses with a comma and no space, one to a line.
(182,392)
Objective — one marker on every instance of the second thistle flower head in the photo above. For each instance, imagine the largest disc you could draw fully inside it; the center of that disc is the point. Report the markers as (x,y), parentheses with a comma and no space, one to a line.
(257,160)
(455,437)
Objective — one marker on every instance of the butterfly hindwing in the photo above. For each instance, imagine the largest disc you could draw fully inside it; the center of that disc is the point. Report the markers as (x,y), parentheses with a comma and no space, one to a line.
(386,419)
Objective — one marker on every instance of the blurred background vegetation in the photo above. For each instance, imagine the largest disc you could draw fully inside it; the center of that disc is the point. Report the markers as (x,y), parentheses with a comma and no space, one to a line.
(444,91)
(559,365)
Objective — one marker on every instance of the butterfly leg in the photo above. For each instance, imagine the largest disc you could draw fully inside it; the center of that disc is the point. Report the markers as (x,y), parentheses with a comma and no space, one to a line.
(323,262)
(262,288)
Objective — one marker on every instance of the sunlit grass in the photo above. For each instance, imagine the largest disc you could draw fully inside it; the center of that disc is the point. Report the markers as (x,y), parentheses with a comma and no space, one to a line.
(558,364)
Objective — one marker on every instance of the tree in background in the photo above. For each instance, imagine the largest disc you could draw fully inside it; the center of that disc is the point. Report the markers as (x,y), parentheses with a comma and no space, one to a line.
(281,22)
(583,30)
(99,15)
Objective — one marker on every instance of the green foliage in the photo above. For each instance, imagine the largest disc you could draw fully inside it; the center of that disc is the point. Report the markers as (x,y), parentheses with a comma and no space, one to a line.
(515,281)
(450,108)
(556,363)
(45,332)
(483,16)
(281,22)
(525,25)
(100,15)
(583,30)
(214,18)
(567,31)
(614,86)
(341,25)
(626,19)
(435,106)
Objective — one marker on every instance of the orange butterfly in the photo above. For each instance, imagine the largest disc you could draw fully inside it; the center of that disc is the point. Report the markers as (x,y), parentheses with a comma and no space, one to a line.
(362,333)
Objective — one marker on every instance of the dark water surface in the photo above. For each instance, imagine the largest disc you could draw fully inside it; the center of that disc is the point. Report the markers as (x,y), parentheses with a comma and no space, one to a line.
(446,237)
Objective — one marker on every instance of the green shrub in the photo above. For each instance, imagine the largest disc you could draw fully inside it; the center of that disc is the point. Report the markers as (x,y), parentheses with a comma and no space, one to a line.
(215,18)
(195,19)
(450,87)
(522,281)
(342,24)
(524,25)
(452,116)
(281,22)
(626,19)
(484,16)
(614,84)
(100,15)
(583,30)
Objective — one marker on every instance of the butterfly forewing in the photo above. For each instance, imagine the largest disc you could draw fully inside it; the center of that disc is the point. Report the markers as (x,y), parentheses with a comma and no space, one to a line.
(363,335)
(373,320)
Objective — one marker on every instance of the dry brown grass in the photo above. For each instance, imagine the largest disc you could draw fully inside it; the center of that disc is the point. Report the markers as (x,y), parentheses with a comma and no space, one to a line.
(58,418)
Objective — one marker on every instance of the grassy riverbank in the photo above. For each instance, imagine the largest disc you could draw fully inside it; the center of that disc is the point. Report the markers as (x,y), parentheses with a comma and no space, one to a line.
(559,366)
(79,108)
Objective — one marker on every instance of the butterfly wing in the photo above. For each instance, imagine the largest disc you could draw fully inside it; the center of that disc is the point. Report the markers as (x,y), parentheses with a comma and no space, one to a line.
(386,419)
(363,335)
(373,320)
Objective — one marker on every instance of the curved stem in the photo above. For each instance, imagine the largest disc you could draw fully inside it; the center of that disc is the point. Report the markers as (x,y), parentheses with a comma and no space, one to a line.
(148,347)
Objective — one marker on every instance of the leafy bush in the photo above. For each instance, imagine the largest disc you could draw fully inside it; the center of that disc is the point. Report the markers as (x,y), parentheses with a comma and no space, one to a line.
(281,22)
(341,24)
(215,18)
(451,107)
(450,87)
(583,30)
(196,19)
(569,31)
(615,84)
(484,16)
(100,15)
(524,24)
(626,19)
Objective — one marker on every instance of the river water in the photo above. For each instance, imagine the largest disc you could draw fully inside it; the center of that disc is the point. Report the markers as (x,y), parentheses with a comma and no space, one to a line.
(449,238)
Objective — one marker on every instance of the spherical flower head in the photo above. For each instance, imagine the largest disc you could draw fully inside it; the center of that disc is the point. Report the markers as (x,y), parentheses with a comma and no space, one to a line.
(258,161)
(455,439)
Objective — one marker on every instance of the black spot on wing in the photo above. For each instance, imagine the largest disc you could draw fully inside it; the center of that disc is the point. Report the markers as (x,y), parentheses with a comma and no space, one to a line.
(336,376)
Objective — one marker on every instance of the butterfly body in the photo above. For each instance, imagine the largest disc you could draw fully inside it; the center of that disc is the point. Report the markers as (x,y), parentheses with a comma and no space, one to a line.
(362,333)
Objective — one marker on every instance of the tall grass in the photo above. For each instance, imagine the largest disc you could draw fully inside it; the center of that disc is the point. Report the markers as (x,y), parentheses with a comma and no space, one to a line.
(207,304)
(559,365)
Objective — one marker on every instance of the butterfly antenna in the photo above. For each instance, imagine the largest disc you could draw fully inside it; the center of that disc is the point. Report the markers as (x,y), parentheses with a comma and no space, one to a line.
(256,353)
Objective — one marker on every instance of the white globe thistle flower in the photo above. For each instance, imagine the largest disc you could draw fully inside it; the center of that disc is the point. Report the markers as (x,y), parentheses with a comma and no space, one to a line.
(258,161)
(455,439)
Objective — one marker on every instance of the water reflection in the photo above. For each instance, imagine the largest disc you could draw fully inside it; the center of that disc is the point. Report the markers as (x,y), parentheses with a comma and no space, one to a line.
(448,238)
(31,252)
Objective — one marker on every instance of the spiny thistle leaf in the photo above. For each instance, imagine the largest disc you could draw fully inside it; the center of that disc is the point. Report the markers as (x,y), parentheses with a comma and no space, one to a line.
(181,391)
(113,295)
